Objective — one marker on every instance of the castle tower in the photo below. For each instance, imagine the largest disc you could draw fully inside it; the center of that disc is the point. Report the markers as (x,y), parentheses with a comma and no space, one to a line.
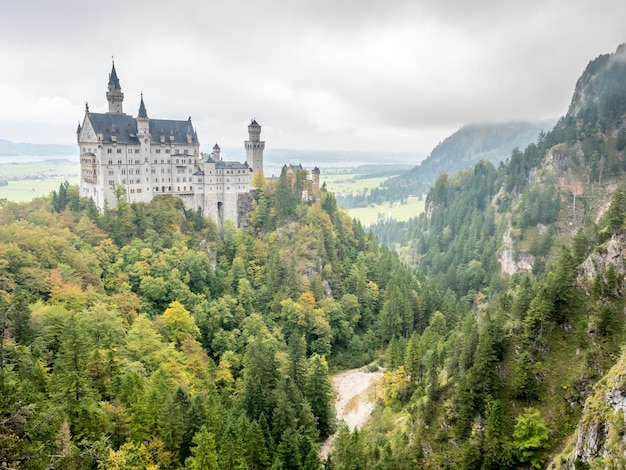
(216,153)
(254,147)
(315,177)
(115,97)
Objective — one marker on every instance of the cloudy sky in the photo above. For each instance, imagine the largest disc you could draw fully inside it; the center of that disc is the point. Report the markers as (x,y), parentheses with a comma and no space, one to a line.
(375,75)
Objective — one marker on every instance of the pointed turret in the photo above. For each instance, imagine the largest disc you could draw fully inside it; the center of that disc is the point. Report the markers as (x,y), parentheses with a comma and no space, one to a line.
(142,109)
(114,82)
(115,97)
(143,121)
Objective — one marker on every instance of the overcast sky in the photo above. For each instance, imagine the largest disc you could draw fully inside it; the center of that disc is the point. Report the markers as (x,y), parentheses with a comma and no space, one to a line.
(376,75)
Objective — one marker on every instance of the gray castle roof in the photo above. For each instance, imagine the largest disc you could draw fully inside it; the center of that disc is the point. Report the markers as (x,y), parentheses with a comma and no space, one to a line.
(231,165)
(124,128)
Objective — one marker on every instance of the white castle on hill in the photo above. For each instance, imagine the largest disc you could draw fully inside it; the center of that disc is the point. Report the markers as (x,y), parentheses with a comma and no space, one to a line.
(149,157)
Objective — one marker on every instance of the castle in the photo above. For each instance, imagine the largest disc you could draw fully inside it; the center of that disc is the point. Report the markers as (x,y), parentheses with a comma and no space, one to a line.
(149,157)
(310,187)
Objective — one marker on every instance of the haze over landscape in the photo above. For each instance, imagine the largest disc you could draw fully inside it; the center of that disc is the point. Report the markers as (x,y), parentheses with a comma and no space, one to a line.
(169,309)
(365,76)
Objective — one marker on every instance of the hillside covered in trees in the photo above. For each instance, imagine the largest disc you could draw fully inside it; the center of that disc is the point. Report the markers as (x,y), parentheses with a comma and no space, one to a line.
(533,251)
(143,337)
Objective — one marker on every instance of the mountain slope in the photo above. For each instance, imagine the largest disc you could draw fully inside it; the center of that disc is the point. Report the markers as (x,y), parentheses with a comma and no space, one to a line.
(471,143)
(10,149)
(500,381)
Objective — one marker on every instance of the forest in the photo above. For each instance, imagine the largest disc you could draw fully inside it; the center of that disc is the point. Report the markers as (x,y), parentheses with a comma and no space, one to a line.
(146,337)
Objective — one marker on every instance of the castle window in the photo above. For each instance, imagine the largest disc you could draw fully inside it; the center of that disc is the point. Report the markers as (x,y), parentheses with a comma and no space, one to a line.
(110,172)
(178,180)
(119,150)
(167,150)
(123,171)
(110,182)
(138,190)
(162,161)
(109,150)
(129,150)
(124,181)
(156,189)
(137,171)
(132,191)
(186,152)
(137,162)
(136,150)
(119,162)
(190,188)
(110,162)
(158,150)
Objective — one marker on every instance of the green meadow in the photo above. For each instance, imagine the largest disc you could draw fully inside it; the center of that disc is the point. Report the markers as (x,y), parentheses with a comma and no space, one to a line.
(346,182)
(28,180)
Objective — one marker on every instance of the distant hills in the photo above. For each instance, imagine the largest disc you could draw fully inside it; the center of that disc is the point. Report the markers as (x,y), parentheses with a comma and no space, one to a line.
(8,148)
(466,147)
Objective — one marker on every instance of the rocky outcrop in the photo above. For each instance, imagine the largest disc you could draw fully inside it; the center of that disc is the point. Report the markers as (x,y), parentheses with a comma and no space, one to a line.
(600,436)
(612,252)
(509,263)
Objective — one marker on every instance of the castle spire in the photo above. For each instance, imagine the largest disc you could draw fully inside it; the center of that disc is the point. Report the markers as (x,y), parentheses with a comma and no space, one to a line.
(115,97)
(114,82)
(143,114)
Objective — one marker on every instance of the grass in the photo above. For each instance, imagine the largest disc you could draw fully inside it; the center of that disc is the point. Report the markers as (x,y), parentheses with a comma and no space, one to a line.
(27,190)
(395,210)
(352,182)
(49,175)
(355,182)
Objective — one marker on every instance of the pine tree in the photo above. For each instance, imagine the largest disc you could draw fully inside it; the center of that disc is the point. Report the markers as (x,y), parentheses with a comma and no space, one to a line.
(203,455)
(320,394)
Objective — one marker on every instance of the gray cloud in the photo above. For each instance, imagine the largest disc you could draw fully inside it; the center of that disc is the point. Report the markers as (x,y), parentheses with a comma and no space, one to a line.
(370,75)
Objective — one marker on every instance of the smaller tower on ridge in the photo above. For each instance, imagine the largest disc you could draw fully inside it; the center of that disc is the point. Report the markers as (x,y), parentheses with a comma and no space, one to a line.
(216,153)
(115,97)
(315,178)
(254,147)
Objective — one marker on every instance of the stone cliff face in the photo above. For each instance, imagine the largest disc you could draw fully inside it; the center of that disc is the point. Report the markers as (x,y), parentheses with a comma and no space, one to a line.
(613,253)
(600,440)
